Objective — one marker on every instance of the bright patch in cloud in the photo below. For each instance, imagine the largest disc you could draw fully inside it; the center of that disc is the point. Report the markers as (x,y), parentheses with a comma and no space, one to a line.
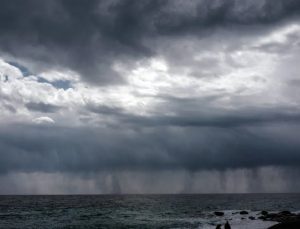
(43,120)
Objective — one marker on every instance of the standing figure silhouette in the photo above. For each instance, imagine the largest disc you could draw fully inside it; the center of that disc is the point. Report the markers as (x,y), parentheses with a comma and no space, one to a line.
(227,225)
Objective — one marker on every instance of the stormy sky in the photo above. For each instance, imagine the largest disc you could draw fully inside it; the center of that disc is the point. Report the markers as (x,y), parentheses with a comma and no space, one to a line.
(149,96)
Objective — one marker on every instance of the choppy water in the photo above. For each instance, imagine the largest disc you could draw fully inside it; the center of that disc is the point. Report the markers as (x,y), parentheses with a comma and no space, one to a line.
(138,211)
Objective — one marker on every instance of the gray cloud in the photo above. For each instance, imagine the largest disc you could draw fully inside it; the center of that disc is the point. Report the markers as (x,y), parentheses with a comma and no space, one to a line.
(89,37)
(200,112)
(207,103)
(42,107)
(51,148)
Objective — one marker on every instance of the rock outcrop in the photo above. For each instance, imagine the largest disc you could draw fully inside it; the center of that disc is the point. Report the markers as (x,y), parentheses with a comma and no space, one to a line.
(287,220)
(219,213)
(287,225)
(284,216)
(243,212)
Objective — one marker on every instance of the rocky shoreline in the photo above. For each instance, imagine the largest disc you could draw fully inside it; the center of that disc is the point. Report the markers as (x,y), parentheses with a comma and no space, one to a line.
(285,219)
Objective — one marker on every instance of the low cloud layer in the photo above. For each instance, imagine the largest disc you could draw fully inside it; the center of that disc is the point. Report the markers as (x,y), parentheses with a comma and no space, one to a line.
(136,88)
(79,150)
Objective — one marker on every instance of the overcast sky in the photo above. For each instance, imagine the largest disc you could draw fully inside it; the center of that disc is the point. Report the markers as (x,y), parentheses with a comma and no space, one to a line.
(149,96)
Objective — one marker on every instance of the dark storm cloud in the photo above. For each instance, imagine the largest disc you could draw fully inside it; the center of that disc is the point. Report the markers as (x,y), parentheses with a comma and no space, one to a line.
(88,36)
(51,148)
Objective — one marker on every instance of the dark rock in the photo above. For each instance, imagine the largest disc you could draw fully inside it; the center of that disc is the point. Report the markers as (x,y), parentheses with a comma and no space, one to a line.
(262,217)
(285,213)
(271,216)
(264,213)
(287,225)
(287,218)
(252,217)
(243,212)
(282,217)
(219,213)
(242,218)
(218,226)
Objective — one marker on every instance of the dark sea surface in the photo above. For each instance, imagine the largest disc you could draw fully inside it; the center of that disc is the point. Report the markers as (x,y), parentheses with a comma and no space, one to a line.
(136,211)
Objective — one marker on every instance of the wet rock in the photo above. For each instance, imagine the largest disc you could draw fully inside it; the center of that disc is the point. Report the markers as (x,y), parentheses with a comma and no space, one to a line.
(252,217)
(219,213)
(285,213)
(264,213)
(243,212)
(283,217)
(287,225)
(262,217)
(272,215)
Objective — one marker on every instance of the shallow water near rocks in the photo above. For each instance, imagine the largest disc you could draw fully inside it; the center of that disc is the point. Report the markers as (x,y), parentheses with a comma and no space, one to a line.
(141,211)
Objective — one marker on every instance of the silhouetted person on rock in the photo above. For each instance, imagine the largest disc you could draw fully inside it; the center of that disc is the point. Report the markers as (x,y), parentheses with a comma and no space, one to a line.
(218,226)
(227,225)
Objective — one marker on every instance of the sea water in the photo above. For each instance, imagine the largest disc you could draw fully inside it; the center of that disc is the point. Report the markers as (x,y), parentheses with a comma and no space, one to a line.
(141,211)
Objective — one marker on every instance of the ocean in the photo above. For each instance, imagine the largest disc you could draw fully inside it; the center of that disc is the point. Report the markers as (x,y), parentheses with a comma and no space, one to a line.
(140,211)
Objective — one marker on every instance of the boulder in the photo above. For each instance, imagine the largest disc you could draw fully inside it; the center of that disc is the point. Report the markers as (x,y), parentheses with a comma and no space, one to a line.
(219,213)
(243,212)
(262,217)
(264,212)
(271,216)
